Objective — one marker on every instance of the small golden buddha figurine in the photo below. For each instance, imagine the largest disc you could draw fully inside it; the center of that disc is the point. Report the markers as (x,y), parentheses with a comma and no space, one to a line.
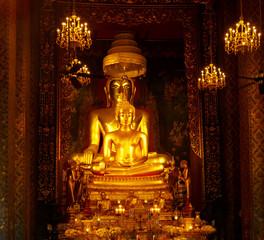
(131,148)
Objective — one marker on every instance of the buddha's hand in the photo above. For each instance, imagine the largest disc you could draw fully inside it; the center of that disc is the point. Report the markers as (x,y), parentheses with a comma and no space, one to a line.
(87,157)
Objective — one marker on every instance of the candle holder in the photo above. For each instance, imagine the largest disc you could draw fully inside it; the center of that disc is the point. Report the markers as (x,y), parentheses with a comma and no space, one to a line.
(120,210)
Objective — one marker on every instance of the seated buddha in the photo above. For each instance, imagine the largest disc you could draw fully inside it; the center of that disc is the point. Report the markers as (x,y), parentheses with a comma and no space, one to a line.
(131,148)
(104,121)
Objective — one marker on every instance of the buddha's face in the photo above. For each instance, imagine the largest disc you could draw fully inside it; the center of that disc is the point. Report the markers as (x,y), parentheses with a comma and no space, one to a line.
(183,164)
(103,195)
(120,90)
(125,116)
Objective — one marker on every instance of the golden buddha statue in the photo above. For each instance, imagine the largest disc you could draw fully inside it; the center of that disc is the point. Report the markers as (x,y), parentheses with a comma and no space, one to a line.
(125,151)
(117,160)
(102,121)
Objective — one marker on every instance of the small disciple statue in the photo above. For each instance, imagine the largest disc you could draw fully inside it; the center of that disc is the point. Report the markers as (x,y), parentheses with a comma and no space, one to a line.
(132,200)
(184,175)
(75,182)
(104,205)
(159,200)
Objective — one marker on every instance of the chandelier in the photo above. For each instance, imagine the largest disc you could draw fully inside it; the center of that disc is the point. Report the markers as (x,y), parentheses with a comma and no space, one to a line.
(74,34)
(155,209)
(211,77)
(243,38)
(120,210)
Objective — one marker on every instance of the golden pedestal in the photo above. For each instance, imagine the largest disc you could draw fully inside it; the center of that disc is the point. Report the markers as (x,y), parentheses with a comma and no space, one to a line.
(118,188)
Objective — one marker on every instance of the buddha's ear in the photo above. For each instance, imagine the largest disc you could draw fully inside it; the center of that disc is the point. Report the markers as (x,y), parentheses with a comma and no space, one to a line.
(107,94)
(133,95)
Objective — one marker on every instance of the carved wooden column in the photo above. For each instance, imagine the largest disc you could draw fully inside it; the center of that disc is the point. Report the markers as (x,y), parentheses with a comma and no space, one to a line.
(19,119)
(47,104)
(212,173)
(251,109)
(229,115)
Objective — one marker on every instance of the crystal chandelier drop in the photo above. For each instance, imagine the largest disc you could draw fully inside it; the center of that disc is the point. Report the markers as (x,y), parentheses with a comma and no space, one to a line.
(211,77)
(243,38)
(74,34)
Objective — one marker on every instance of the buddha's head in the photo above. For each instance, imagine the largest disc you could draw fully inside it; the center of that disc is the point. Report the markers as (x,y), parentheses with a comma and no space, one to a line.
(125,113)
(183,164)
(103,195)
(131,193)
(119,89)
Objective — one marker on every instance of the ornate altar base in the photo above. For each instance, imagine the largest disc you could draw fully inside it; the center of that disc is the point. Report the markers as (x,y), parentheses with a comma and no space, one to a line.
(140,222)
(117,188)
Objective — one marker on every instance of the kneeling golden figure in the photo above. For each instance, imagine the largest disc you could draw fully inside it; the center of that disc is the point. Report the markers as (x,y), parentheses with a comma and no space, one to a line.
(131,156)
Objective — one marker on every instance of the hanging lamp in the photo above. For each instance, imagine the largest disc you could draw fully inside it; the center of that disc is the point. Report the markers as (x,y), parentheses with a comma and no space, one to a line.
(73,33)
(243,38)
(211,77)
